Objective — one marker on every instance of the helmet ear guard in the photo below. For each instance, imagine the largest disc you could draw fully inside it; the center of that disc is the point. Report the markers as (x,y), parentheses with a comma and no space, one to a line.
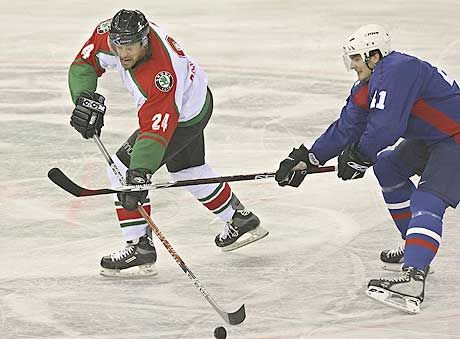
(366,39)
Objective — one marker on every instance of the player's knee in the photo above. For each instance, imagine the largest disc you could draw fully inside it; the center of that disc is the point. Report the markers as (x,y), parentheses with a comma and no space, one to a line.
(125,151)
(190,173)
(422,202)
(384,166)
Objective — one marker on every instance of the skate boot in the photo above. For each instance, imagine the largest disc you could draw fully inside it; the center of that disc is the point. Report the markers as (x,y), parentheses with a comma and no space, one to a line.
(405,292)
(136,259)
(243,229)
(393,260)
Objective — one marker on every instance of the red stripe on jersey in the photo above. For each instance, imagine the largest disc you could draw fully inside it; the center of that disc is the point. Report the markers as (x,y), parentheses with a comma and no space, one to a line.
(436,118)
(220,200)
(154,138)
(160,101)
(124,214)
(361,98)
(401,215)
(423,243)
(79,62)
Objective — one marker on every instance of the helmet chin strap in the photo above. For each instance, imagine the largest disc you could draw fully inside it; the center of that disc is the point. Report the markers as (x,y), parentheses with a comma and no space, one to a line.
(367,65)
(367,60)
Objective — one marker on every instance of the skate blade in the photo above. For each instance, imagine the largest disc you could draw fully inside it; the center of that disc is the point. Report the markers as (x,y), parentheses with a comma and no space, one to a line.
(397,267)
(404,303)
(136,271)
(254,235)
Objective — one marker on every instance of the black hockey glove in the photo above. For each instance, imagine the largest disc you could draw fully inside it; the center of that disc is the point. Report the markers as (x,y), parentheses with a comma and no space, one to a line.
(294,168)
(352,164)
(130,200)
(88,115)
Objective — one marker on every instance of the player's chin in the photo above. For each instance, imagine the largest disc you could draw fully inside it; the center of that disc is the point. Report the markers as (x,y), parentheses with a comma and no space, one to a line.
(127,64)
(362,76)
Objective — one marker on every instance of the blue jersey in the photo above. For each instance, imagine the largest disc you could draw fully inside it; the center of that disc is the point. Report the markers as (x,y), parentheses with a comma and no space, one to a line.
(404,98)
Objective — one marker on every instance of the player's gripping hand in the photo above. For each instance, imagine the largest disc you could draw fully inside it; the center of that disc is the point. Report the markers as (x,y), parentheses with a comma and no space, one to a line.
(88,114)
(130,200)
(295,167)
(352,164)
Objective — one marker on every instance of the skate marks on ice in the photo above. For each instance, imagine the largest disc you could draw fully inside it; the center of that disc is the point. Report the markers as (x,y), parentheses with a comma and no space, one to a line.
(83,307)
(286,275)
(238,107)
(43,82)
(36,316)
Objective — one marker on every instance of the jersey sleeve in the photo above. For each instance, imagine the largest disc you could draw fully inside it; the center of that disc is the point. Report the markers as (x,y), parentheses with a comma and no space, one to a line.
(158,119)
(345,130)
(392,96)
(86,69)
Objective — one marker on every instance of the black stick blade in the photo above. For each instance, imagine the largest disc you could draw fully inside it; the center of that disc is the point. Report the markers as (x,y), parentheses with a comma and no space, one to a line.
(60,179)
(237,317)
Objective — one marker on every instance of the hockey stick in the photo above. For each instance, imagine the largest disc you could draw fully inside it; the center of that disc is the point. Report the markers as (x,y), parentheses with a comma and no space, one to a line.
(60,179)
(233,318)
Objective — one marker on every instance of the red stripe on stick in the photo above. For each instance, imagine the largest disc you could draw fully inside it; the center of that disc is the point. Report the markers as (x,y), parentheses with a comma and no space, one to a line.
(220,199)
(423,243)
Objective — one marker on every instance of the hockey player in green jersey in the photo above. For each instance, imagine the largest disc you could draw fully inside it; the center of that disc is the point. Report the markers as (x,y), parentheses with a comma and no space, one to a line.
(174,104)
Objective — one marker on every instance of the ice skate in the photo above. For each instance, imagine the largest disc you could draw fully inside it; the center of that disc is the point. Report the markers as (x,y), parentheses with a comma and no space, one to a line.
(393,260)
(242,230)
(406,292)
(136,259)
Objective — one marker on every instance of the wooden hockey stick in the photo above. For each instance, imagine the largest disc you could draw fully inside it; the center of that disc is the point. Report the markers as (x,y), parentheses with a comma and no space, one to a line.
(231,318)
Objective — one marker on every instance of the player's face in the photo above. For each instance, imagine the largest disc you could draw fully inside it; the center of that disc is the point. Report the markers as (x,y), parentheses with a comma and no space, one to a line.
(359,66)
(130,54)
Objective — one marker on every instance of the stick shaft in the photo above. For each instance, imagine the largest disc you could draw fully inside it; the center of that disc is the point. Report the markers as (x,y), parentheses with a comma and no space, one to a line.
(63,181)
(231,318)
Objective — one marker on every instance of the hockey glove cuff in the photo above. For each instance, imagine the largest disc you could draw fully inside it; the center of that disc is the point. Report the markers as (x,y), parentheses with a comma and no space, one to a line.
(352,164)
(130,200)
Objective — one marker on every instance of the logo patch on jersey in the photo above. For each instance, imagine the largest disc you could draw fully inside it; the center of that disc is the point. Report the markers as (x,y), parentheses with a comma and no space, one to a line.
(104,26)
(164,81)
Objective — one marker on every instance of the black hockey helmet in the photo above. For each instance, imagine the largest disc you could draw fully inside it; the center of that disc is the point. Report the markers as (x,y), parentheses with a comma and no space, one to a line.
(128,27)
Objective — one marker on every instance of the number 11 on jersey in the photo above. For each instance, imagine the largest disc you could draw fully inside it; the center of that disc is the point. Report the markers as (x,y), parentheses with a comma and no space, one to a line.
(378,100)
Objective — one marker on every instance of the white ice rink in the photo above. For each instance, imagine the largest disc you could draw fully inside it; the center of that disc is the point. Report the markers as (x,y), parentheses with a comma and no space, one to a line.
(278,80)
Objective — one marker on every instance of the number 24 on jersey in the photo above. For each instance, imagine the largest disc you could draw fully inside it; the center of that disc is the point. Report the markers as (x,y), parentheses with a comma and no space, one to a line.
(160,121)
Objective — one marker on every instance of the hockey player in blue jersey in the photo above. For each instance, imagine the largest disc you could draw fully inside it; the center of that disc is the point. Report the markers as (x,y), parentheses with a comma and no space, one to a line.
(397,96)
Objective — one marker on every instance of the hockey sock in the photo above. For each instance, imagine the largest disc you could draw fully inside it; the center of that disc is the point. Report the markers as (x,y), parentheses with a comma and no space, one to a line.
(397,188)
(215,197)
(397,199)
(423,236)
(133,225)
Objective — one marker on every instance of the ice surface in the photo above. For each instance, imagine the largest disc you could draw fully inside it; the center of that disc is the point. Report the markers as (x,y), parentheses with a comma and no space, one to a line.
(278,80)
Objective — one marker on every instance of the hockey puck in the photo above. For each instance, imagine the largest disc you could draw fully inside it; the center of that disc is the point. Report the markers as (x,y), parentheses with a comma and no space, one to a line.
(220,332)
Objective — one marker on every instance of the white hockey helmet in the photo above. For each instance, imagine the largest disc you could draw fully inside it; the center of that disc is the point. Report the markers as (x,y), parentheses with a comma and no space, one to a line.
(367,38)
